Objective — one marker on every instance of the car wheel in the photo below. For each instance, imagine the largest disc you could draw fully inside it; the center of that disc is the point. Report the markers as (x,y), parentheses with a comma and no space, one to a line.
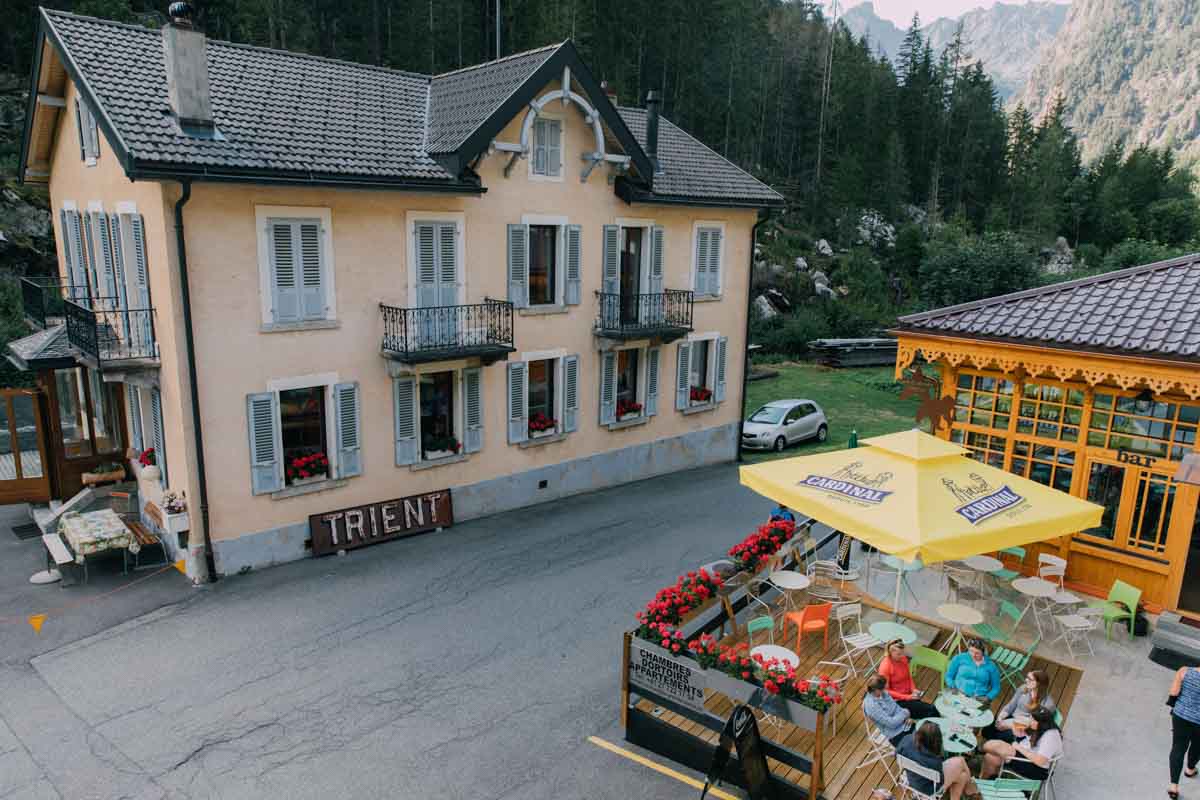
(780,443)
(822,433)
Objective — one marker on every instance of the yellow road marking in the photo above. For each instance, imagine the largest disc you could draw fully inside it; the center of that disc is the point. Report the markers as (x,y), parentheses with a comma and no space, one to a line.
(659,768)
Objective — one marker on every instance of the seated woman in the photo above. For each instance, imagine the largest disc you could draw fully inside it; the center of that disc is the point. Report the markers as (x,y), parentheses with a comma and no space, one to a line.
(893,721)
(973,673)
(1033,694)
(894,668)
(925,748)
(1029,757)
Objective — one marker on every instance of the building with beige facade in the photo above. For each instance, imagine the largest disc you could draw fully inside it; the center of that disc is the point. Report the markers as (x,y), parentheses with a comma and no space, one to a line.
(310,285)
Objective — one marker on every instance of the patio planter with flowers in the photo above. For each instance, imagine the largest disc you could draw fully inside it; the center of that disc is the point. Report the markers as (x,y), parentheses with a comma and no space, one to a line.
(441,447)
(541,425)
(150,470)
(309,468)
(805,698)
(699,396)
(628,409)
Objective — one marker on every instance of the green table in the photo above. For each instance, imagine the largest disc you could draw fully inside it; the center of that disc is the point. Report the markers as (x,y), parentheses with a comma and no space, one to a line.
(964,710)
(886,631)
(957,739)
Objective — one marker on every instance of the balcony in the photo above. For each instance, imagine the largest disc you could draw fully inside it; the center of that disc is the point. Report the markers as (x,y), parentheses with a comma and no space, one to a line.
(44,300)
(664,316)
(441,333)
(107,335)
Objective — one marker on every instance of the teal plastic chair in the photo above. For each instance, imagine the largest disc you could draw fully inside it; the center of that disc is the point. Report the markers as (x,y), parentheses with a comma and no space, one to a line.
(994,633)
(1012,663)
(1008,788)
(1005,574)
(931,659)
(1122,603)
(760,624)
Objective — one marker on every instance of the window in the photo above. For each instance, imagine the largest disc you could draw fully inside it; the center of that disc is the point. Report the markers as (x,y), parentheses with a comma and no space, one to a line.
(541,392)
(1050,466)
(1157,428)
(983,400)
(543,264)
(89,134)
(547,147)
(628,384)
(439,433)
(1050,412)
(304,430)
(982,447)
(543,396)
(796,414)
(538,248)
(1106,484)
(700,380)
(1153,501)
(438,414)
(296,266)
(708,257)
(88,413)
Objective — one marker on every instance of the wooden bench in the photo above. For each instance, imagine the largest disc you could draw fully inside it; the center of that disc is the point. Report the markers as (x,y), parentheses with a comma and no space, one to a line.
(146,537)
(57,550)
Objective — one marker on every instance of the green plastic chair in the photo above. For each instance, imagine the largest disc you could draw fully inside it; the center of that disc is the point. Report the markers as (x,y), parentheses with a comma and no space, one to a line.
(995,634)
(928,657)
(1058,719)
(760,624)
(1008,788)
(1122,603)
(1004,574)
(1012,663)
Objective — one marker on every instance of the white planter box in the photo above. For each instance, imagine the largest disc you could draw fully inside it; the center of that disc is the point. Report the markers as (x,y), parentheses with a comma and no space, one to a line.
(801,715)
(150,472)
(434,455)
(176,523)
(633,415)
(308,480)
(542,434)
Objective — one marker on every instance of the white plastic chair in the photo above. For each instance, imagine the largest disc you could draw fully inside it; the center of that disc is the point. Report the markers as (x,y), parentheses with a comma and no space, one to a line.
(907,765)
(857,641)
(1054,569)
(879,750)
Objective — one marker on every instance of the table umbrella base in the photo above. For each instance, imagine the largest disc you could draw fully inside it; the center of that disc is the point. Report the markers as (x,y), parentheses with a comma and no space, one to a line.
(46,576)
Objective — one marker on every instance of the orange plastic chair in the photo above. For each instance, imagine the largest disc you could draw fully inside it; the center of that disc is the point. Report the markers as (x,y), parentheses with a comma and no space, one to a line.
(813,618)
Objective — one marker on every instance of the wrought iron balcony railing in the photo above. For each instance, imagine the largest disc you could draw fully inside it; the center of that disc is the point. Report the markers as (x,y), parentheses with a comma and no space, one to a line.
(105,332)
(420,335)
(665,315)
(44,299)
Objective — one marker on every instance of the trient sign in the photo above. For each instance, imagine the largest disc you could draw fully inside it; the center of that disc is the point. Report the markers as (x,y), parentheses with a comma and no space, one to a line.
(378,522)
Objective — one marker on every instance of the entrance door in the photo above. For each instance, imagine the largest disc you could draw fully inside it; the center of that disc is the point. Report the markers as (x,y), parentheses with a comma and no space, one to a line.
(1137,506)
(23,473)
(631,275)
(437,323)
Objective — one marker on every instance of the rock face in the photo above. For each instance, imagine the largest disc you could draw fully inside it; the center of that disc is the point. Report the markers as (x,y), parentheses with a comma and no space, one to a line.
(1126,69)
(823,247)
(1008,38)
(26,235)
(764,309)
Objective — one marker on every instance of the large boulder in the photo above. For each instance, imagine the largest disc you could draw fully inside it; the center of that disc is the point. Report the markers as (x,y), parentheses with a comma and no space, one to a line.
(875,231)
(1060,260)
(823,248)
(801,264)
(764,309)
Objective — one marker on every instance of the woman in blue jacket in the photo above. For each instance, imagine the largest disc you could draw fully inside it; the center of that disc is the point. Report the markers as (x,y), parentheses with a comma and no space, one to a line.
(973,673)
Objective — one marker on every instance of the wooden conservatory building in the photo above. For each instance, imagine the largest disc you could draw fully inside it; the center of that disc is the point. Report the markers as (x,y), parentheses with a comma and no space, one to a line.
(1091,386)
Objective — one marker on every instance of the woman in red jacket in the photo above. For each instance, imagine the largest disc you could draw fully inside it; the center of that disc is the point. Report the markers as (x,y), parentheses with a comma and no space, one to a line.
(894,668)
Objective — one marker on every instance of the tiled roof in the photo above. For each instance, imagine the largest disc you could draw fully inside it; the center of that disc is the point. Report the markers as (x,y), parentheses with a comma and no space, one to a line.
(691,170)
(460,101)
(46,345)
(1152,310)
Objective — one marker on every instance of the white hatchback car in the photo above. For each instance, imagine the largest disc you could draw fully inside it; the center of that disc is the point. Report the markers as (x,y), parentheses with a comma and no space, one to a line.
(783,422)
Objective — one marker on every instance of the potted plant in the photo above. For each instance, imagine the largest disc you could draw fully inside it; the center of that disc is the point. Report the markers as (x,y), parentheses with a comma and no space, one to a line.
(108,472)
(149,463)
(628,409)
(175,516)
(734,672)
(441,447)
(805,698)
(541,425)
(308,468)
(700,396)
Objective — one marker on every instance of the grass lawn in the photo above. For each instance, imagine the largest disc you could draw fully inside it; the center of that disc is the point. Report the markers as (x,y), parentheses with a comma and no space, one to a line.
(865,399)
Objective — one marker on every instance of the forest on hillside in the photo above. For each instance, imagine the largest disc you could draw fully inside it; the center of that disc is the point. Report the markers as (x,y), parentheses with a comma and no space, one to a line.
(970,197)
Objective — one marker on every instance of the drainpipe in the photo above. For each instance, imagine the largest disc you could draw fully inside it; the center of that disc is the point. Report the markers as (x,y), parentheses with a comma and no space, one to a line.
(746,342)
(210,564)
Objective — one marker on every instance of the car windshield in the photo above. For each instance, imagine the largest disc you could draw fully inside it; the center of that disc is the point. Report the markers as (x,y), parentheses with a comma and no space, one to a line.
(771,415)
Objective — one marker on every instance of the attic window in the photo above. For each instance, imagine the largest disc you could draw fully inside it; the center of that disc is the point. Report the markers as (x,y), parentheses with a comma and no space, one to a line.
(547,147)
(89,135)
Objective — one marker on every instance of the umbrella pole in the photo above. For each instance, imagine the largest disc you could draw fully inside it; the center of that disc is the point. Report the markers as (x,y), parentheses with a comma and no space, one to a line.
(896,606)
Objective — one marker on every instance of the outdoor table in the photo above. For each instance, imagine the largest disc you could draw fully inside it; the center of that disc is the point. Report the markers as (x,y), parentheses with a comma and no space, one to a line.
(887,630)
(774,651)
(958,615)
(788,581)
(1035,589)
(984,565)
(95,532)
(963,710)
(901,568)
(957,739)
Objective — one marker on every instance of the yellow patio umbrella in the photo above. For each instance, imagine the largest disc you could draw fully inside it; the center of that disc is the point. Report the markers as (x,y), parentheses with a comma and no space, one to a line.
(916,496)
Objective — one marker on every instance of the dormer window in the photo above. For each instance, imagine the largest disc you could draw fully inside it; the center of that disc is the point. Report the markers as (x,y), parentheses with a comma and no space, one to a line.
(89,135)
(547,147)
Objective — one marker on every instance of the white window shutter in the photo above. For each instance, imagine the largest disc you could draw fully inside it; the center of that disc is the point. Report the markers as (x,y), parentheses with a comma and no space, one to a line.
(518,410)
(106,256)
(574,264)
(160,440)
(652,359)
(266,449)
(714,262)
(612,259)
(348,427)
(722,347)
(700,285)
(539,147)
(683,361)
(404,406)
(473,409)
(447,264)
(608,387)
(312,268)
(657,235)
(570,393)
(142,277)
(518,265)
(553,147)
(285,283)
(135,416)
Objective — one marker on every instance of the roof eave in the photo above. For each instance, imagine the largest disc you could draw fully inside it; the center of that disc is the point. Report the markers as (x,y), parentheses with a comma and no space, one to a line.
(631,193)
(902,330)
(142,170)
(31,102)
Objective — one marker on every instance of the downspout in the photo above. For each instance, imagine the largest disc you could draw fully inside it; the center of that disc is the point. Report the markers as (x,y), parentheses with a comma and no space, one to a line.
(746,341)
(180,243)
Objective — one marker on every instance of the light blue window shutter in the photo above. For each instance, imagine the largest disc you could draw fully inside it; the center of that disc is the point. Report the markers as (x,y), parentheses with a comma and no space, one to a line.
(714,262)
(656,259)
(722,347)
(701,282)
(612,259)
(518,410)
(114,224)
(473,409)
(160,440)
(404,402)
(79,280)
(285,283)
(574,264)
(539,147)
(570,393)
(83,147)
(426,253)
(93,271)
(64,227)
(312,268)
(141,274)
(652,359)
(93,132)
(518,265)
(447,264)
(348,427)
(106,256)
(608,387)
(553,147)
(135,416)
(683,370)
(266,463)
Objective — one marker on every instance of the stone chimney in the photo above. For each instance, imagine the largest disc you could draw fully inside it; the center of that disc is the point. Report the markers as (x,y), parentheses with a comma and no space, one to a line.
(187,68)
(653,102)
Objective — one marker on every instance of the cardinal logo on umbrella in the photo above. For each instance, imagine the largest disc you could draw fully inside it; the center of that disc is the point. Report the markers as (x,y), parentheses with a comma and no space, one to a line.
(978,500)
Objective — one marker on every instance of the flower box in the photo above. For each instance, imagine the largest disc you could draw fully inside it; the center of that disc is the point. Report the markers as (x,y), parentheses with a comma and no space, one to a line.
(309,479)
(176,523)
(434,455)
(802,716)
(736,690)
(542,434)
(150,472)
(629,416)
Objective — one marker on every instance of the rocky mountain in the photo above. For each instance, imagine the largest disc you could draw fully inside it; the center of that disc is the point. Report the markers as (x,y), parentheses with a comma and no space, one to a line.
(1010,39)
(1127,72)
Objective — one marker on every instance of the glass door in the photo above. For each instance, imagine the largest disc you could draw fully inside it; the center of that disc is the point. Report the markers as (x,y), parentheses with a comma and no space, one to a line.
(1137,507)
(23,474)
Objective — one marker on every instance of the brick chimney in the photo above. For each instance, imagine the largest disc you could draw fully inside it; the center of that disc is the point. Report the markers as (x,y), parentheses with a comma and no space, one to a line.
(187,68)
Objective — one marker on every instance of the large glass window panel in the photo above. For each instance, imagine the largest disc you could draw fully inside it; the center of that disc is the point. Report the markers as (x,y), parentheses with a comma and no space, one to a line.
(302,428)
(541,388)
(105,420)
(1105,485)
(73,417)
(1152,512)
(543,264)
(439,436)
(627,382)
(25,417)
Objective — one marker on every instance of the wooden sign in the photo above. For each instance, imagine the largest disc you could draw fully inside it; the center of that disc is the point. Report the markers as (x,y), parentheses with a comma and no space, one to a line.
(380,522)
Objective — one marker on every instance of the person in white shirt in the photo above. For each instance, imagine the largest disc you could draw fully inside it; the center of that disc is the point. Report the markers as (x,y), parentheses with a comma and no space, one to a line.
(1030,756)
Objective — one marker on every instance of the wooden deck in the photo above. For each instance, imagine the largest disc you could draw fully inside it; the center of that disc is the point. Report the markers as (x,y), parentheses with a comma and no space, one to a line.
(845,750)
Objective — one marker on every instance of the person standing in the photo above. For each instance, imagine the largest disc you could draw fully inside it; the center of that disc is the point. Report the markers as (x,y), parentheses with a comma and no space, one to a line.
(1184,699)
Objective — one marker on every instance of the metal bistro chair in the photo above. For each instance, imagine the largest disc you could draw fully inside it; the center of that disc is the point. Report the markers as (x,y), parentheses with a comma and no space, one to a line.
(1012,663)
(764,623)
(1077,628)
(857,641)
(994,633)
(1054,569)
(907,765)
(839,674)
(757,587)
(879,750)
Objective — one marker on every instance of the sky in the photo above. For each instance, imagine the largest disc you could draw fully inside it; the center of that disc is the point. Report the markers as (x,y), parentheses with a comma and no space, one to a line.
(901,11)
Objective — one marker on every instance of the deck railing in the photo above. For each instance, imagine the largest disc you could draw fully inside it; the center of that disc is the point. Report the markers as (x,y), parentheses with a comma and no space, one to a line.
(44,298)
(633,314)
(417,333)
(102,329)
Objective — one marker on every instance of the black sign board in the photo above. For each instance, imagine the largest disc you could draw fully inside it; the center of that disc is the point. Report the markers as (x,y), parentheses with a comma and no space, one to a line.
(741,733)
(377,522)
